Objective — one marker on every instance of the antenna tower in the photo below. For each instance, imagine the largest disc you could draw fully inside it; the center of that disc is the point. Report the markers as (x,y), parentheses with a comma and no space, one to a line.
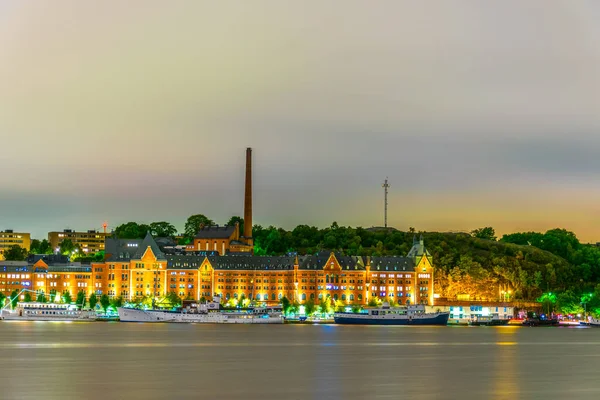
(385,186)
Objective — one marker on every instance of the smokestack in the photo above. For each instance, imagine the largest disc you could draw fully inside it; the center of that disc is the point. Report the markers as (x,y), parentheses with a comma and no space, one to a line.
(248,196)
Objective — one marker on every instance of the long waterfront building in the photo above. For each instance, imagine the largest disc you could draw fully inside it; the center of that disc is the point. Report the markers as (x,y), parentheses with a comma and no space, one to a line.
(134,269)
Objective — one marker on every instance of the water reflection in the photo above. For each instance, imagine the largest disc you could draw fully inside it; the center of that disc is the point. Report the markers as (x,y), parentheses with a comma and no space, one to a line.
(106,361)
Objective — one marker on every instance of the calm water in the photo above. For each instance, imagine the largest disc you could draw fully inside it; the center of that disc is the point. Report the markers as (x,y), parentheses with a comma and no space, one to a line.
(45,360)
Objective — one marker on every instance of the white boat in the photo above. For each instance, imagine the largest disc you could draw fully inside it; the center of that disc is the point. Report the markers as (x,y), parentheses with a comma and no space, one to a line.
(203,313)
(386,315)
(47,312)
(594,322)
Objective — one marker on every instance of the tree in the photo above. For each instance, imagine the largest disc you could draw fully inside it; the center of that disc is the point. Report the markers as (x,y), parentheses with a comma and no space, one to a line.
(173,299)
(2,297)
(27,298)
(309,307)
(232,221)
(373,302)
(115,303)
(41,298)
(66,297)
(34,246)
(67,247)
(487,233)
(285,305)
(131,230)
(325,305)
(40,247)
(15,253)
(193,223)
(93,300)
(14,298)
(80,301)
(104,302)
(162,229)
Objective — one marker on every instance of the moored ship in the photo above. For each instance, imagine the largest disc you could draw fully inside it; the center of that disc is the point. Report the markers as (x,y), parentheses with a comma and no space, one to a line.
(488,321)
(46,312)
(386,315)
(203,313)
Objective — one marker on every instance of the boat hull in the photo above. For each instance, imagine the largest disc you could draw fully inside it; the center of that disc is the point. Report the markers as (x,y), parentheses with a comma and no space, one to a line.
(494,322)
(439,319)
(136,315)
(81,317)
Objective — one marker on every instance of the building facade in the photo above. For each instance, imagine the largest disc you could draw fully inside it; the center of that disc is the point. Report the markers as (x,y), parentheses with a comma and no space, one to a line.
(135,269)
(90,242)
(9,238)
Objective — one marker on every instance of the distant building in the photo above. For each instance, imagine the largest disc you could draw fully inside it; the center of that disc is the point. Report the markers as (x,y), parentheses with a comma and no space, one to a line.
(136,268)
(222,239)
(227,239)
(9,238)
(91,241)
(47,274)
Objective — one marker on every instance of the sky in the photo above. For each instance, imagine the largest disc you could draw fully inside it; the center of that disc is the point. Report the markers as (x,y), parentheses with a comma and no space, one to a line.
(480,113)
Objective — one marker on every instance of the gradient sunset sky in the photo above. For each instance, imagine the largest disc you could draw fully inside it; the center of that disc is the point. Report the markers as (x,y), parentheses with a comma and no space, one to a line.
(479,112)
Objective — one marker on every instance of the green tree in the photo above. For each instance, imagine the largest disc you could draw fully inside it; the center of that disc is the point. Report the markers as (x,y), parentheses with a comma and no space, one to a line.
(239,220)
(487,233)
(14,299)
(80,301)
(45,247)
(40,247)
(373,302)
(242,300)
(162,229)
(27,298)
(15,253)
(193,224)
(66,297)
(115,303)
(99,256)
(173,300)
(2,298)
(325,305)
(131,230)
(285,304)
(309,307)
(68,248)
(34,246)
(104,302)
(93,300)
(41,298)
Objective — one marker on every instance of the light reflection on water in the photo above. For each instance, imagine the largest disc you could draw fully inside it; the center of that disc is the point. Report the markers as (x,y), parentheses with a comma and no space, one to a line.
(160,361)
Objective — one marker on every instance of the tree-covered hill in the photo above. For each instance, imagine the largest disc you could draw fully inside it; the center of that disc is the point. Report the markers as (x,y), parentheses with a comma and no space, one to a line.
(465,265)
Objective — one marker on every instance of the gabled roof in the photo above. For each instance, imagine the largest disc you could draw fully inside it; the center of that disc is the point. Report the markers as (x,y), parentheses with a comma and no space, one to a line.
(215,232)
(148,242)
(184,261)
(69,268)
(392,263)
(318,261)
(250,262)
(118,250)
(418,248)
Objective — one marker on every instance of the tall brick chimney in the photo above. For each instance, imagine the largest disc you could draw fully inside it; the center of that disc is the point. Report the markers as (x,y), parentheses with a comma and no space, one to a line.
(248,195)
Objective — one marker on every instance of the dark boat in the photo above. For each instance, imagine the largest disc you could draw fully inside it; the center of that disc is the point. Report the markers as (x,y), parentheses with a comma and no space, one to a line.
(488,321)
(540,322)
(385,315)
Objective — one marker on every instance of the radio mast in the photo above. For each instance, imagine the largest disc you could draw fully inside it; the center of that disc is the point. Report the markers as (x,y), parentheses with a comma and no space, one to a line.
(385,186)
